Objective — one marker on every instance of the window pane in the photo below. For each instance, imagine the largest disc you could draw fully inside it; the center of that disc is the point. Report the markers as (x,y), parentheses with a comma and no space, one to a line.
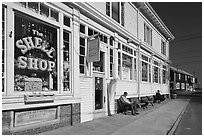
(82,28)
(44,10)
(35,68)
(127,67)
(144,71)
(54,14)
(156,74)
(33,5)
(66,21)
(115,11)
(108,8)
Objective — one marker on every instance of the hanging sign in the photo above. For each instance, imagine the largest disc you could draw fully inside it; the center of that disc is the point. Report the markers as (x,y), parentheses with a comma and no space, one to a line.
(93,50)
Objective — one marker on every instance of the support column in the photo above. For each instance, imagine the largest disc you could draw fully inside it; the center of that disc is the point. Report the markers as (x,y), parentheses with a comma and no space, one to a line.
(75,54)
(9,51)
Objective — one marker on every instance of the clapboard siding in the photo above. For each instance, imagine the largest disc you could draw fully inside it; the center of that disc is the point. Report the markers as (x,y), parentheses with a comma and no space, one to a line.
(86,99)
(145,89)
(128,86)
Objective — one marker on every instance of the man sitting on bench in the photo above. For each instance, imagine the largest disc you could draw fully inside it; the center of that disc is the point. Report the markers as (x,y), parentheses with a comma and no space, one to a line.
(159,97)
(127,103)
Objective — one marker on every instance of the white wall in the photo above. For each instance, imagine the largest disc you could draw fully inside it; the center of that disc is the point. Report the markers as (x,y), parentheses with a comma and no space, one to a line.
(130,19)
(100,6)
(128,86)
(86,92)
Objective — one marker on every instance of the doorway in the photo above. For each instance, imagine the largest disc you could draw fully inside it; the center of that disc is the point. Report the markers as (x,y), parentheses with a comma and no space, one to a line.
(99,87)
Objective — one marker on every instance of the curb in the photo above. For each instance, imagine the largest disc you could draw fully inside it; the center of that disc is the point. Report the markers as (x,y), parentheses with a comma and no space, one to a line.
(172,130)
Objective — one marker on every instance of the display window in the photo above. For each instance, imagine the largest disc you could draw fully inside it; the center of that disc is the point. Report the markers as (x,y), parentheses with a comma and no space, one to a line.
(35,55)
(144,71)
(146,68)
(127,67)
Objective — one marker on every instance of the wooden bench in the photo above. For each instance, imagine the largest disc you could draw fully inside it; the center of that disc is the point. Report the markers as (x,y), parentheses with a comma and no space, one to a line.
(121,108)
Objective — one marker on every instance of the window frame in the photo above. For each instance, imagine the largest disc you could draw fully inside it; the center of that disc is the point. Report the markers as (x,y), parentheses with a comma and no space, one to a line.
(147,34)
(4,50)
(146,59)
(121,12)
(124,49)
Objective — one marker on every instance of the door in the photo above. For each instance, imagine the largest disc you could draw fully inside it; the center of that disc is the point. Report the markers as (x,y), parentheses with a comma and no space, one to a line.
(99,87)
(99,96)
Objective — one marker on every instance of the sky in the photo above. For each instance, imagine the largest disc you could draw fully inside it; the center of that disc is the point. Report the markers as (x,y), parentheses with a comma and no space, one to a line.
(184,20)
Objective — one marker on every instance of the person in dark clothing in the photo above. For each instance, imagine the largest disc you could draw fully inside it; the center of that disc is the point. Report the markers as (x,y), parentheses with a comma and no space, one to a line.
(159,97)
(126,102)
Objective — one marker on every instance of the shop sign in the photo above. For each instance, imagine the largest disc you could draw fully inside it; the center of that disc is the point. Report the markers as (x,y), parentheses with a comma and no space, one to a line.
(93,50)
(27,43)
(34,116)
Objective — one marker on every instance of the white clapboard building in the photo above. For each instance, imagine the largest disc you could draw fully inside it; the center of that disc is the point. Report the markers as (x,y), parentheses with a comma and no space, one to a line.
(59,60)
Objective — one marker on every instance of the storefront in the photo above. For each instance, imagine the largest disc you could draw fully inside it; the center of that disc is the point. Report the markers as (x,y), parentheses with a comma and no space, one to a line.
(37,70)
(59,60)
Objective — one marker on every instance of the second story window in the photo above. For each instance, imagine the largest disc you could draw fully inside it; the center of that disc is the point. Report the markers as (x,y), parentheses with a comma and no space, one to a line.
(163,47)
(116,11)
(147,34)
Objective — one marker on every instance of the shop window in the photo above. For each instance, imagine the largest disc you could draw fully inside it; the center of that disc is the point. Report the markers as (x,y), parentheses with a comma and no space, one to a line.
(144,71)
(147,34)
(82,55)
(164,76)
(66,21)
(146,68)
(66,61)
(127,67)
(35,55)
(150,74)
(111,62)
(3,49)
(157,78)
(119,65)
(135,69)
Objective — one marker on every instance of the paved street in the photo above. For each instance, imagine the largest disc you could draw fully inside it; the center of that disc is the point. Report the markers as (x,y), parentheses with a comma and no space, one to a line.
(191,122)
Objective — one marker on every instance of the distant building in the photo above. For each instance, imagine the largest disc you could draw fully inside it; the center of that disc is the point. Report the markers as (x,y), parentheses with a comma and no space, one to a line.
(59,58)
(181,80)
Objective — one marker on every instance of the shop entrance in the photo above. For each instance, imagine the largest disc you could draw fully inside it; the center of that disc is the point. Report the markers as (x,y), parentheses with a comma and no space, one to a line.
(99,83)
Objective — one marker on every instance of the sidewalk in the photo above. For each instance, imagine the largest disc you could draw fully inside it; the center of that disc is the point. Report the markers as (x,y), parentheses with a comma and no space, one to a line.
(160,119)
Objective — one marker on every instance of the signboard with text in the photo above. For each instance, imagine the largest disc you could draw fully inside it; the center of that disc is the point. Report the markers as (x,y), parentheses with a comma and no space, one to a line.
(93,50)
